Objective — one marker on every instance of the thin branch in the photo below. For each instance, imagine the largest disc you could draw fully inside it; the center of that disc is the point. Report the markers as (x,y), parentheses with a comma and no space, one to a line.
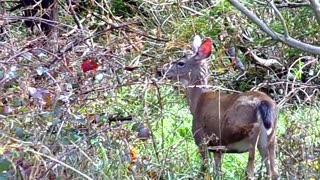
(60,162)
(315,6)
(285,4)
(264,27)
(192,10)
(285,29)
(276,36)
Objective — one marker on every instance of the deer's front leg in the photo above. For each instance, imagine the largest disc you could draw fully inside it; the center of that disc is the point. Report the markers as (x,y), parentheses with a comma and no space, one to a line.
(218,155)
(198,136)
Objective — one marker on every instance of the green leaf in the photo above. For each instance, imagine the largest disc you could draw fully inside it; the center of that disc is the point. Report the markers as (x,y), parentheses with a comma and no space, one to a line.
(4,165)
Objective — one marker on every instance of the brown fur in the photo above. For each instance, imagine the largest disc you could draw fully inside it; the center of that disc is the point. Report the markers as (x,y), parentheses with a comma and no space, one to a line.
(226,123)
(235,118)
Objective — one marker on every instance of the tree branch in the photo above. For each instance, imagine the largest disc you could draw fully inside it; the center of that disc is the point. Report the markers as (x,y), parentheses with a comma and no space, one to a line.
(315,6)
(276,36)
(285,29)
(286,4)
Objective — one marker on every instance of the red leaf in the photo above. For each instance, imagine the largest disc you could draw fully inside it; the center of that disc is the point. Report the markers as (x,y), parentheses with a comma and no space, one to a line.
(88,65)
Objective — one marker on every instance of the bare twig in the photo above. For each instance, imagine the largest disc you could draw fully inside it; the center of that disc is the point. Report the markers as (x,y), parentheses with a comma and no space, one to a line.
(315,6)
(285,29)
(286,4)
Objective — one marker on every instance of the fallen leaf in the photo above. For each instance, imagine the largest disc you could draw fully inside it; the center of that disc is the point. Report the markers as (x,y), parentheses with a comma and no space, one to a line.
(88,65)
(130,68)
(133,153)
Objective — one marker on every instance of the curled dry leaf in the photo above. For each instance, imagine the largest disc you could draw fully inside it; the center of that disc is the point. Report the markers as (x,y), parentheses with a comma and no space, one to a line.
(133,153)
(43,95)
(38,93)
(130,68)
(7,110)
(266,62)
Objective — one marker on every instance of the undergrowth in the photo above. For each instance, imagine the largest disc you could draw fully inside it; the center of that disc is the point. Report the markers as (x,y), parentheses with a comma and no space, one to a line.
(84,102)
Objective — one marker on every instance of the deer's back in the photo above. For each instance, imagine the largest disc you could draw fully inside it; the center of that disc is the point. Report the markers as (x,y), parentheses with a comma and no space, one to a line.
(229,117)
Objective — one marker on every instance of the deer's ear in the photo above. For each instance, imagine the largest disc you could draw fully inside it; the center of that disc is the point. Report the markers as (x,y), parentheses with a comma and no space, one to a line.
(196,43)
(205,49)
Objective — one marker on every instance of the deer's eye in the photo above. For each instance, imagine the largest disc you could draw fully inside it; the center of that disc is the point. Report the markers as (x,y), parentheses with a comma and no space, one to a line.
(180,63)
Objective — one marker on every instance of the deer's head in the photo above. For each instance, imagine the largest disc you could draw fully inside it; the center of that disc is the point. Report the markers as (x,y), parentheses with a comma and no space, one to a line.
(190,68)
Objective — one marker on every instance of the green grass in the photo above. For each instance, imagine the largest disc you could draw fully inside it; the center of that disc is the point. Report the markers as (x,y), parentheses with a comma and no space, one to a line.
(171,151)
(178,154)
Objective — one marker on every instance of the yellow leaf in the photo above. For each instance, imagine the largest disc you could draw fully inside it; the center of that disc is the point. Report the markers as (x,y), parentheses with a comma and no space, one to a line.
(133,153)
(316,164)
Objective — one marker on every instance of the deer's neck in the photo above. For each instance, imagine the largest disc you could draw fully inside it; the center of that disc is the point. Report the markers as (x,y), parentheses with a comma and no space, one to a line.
(194,90)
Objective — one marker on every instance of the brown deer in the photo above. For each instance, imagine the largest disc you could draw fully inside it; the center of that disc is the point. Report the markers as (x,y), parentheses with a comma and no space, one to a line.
(225,123)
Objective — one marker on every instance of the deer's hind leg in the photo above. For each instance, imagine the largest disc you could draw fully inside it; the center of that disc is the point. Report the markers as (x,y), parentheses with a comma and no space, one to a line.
(272,156)
(253,139)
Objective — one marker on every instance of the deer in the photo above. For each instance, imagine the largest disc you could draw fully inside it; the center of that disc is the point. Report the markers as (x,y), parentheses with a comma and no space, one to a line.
(222,122)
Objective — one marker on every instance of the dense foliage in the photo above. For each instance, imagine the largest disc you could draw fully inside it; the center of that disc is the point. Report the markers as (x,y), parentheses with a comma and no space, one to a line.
(81,99)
